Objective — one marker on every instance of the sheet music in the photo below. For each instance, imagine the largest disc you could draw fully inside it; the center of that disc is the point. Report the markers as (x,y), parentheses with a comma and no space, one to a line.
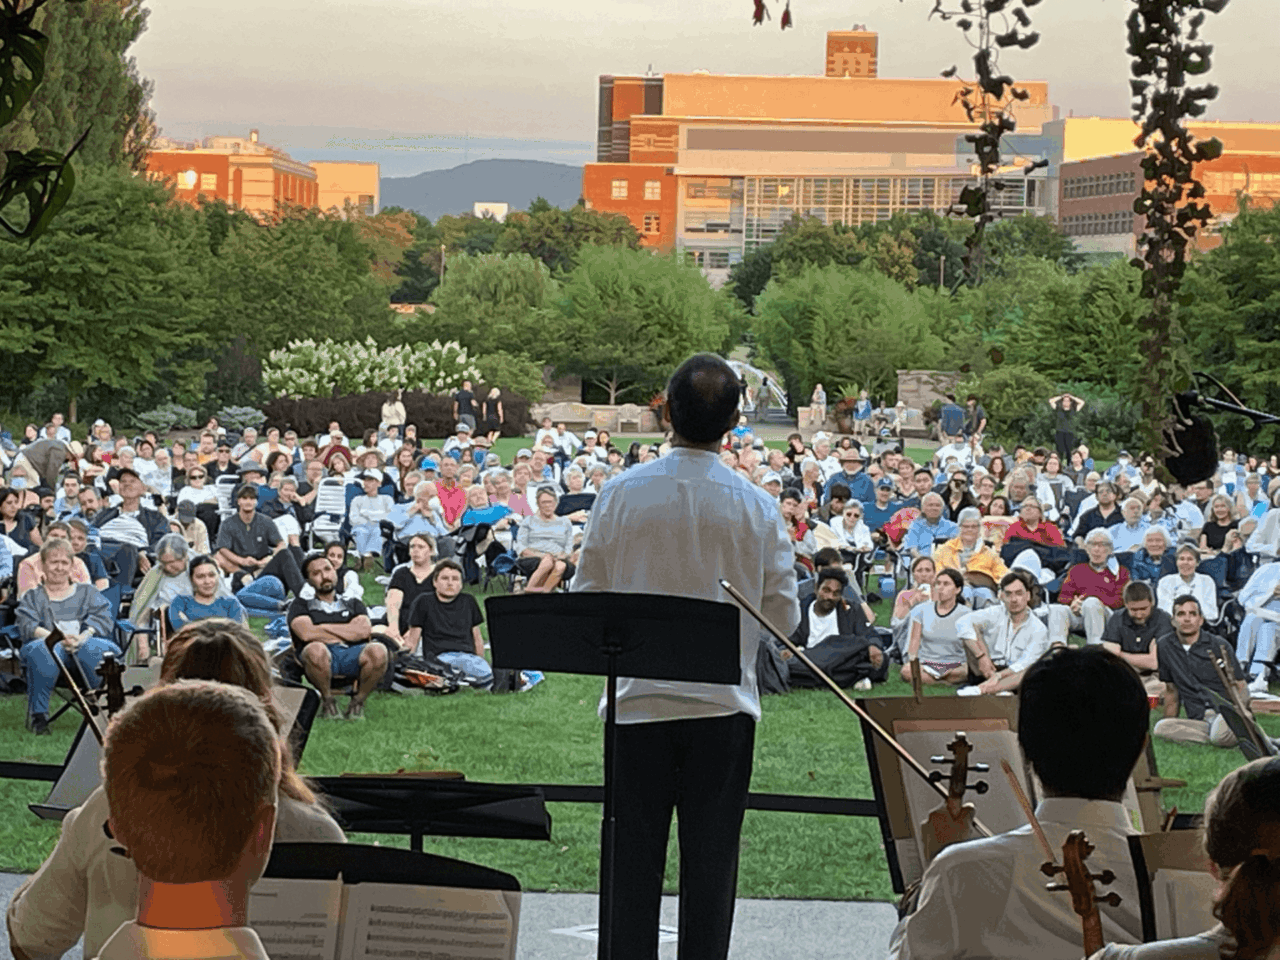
(297,919)
(1184,902)
(384,920)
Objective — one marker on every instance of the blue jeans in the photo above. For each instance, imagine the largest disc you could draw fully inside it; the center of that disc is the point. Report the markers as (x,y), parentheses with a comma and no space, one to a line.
(261,597)
(42,673)
(368,538)
(477,669)
(1257,640)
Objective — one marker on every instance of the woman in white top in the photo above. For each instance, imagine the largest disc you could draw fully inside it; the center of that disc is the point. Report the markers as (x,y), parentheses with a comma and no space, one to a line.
(349,586)
(1187,581)
(1242,839)
(851,530)
(198,490)
(86,888)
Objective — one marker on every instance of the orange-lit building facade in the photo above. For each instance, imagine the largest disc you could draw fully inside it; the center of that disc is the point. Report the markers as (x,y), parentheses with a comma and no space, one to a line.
(260,179)
(1096,191)
(714,165)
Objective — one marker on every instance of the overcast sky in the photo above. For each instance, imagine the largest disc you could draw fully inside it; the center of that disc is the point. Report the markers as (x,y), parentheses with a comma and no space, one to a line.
(340,74)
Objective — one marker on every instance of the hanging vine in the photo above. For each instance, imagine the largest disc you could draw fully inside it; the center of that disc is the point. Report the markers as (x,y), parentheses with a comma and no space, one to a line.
(989,101)
(1168,55)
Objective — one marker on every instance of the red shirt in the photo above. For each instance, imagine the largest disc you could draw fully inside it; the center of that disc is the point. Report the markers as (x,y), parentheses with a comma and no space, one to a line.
(1045,533)
(1084,581)
(453,499)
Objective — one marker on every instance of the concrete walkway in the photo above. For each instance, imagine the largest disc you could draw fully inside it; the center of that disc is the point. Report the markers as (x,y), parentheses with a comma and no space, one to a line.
(561,926)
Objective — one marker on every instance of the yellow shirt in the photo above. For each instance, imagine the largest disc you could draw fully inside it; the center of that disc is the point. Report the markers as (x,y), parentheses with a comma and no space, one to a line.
(984,560)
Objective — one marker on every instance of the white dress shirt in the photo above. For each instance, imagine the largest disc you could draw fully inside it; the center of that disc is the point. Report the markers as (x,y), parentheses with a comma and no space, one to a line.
(136,942)
(675,526)
(1011,647)
(1203,946)
(987,898)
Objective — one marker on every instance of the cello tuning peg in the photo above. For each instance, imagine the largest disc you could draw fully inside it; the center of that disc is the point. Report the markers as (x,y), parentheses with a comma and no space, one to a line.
(935,776)
(939,760)
(980,787)
(981,768)
(1105,877)
(1112,899)
(1055,887)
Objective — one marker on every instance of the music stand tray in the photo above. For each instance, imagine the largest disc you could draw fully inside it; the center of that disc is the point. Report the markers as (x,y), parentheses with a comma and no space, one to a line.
(646,636)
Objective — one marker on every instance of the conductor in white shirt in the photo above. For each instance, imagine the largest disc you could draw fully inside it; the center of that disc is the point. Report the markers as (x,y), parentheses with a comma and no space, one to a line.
(675,526)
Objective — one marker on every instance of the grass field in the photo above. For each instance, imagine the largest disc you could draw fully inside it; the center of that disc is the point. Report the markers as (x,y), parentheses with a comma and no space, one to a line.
(808,743)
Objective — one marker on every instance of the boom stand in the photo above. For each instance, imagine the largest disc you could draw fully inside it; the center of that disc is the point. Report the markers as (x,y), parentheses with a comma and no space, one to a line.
(616,634)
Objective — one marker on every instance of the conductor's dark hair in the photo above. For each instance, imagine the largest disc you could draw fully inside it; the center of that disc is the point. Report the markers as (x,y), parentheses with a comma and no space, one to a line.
(832,573)
(1082,721)
(703,398)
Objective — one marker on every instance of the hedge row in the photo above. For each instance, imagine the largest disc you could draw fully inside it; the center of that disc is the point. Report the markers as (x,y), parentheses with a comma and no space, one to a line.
(431,413)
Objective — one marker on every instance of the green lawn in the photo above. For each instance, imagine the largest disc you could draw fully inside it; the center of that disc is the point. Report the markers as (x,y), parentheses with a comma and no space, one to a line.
(809,743)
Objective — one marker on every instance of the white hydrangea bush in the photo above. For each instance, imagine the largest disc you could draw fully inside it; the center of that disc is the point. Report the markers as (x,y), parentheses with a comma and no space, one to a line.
(310,368)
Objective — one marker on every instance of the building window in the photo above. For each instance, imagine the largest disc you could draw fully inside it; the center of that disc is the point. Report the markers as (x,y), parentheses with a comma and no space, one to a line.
(209,182)
(653,189)
(366,204)
(619,190)
(652,223)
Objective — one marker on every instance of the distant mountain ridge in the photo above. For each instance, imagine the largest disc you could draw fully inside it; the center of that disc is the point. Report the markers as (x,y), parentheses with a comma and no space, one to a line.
(454,191)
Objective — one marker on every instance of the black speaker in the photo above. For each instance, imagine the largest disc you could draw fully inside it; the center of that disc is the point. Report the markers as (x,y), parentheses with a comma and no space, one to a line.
(1195,437)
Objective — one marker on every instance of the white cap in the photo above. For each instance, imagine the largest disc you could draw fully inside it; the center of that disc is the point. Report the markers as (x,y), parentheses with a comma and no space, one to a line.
(771,477)
(523,452)
(819,436)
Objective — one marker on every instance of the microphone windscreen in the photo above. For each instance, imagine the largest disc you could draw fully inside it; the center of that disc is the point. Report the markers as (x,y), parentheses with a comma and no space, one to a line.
(1195,437)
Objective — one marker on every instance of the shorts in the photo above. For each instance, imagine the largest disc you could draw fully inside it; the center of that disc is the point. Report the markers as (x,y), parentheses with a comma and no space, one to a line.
(939,668)
(526,566)
(344,660)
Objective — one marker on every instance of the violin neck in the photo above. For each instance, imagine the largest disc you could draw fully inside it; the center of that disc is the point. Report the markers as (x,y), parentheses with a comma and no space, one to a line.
(1092,929)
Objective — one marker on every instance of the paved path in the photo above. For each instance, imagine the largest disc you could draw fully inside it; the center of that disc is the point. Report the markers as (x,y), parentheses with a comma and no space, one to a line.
(763,929)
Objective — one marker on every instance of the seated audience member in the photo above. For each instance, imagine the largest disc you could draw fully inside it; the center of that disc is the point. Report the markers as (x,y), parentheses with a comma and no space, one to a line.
(1148,562)
(486,517)
(1005,639)
(31,571)
(1032,526)
(956,495)
(78,611)
(1242,822)
(850,530)
(929,527)
(191,774)
(164,583)
(191,528)
(934,639)
(829,558)
(452,495)
(544,544)
(444,624)
(250,547)
(333,638)
(1251,503)
(1256,644)
(349,586)
(1221,530)
(1091,592)
(1127,535)
(1133,632)
(1082,722)
(981,566)
(795,515)
(851,474)
(836,636)
(421,516)
(923,572)
(408,582)
(207,598)
(1187,581)
(1263,543)
(880,511)
(366,512)
(1186,667)
(79,536)
(67,503)
(337,460)
(132,524)
(1104,514)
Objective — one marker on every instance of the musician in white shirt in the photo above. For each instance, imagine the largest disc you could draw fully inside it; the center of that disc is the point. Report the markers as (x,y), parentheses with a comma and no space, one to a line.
(1082,721)
(675,526)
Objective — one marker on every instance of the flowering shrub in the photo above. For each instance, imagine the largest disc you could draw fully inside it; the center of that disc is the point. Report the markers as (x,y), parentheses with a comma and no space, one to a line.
(164,418)
(237,418)
(307,368)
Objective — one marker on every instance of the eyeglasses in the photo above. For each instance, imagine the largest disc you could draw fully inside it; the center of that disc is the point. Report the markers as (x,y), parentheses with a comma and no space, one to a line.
(195,475)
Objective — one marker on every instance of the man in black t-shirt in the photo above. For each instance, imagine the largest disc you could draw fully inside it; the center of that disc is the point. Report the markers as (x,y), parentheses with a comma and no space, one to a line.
(1132,634)
(464,406)
(250,546)
(448,623)
(331,637)
(1186,667)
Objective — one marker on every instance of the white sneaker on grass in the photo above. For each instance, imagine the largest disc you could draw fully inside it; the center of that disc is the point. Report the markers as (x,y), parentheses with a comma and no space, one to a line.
(1259,685)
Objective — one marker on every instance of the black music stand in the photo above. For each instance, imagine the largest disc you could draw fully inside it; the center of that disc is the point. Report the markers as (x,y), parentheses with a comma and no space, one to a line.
(611,635)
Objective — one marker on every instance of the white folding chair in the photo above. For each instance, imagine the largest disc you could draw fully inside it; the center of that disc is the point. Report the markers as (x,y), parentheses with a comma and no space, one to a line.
(330,510)
(225,487)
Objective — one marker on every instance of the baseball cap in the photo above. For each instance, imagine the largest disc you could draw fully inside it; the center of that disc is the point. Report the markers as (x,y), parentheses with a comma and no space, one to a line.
(462,428)
(371,475)
(186,511)
(430,463)
(819,436)
(884,483)
(246,489)
(130,471)
(224,444)
(770,477)
(590,433)
(523,452)
(252,466)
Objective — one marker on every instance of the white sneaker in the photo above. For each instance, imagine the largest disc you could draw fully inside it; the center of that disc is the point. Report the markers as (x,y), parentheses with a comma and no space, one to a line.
(863,685)
(1260,684)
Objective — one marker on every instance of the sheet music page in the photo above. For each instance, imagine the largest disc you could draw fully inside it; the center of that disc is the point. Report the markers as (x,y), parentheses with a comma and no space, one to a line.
(297,919)
(408,922)
(1184,902)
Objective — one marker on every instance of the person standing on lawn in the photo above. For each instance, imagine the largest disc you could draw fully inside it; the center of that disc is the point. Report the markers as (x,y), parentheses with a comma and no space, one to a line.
(675,526)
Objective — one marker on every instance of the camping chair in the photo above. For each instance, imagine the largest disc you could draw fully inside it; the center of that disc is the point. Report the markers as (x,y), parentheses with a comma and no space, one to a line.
(224,487)
(330,511)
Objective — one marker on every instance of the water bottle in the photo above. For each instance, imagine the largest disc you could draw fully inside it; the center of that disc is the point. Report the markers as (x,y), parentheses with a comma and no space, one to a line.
(888,586)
